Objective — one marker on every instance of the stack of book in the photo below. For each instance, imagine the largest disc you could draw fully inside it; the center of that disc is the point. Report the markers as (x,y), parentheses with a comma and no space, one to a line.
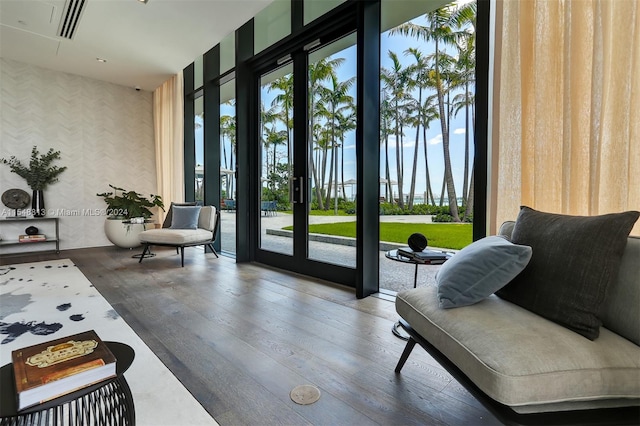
(55,368)
(32,238)
(427,256)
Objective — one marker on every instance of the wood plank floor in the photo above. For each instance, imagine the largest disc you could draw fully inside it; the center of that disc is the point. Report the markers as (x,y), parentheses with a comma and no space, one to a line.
(241,336)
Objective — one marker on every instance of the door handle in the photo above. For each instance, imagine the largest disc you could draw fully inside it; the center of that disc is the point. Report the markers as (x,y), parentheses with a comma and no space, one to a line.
(296,195)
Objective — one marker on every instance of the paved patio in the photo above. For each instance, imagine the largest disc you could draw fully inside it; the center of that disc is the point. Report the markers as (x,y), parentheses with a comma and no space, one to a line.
(394,276)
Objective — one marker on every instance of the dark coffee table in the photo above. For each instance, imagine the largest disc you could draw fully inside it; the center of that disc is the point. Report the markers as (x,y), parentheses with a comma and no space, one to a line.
(105,403)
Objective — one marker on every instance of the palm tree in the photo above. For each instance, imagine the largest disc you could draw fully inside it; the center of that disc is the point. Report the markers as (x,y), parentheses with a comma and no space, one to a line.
(268,119)
(439,30)
(225,128)
(318,72)
(465,17)
(285,100)
(418,72)
(346,122)
(333,101)
(386,118)
(396,81)
(228,129)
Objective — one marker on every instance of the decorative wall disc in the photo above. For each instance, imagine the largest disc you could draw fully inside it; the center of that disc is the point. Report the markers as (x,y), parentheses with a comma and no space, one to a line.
(15,198)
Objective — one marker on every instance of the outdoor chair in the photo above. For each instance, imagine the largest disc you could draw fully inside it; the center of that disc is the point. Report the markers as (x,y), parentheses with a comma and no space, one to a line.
(186,226)
(230,204)
(269,207)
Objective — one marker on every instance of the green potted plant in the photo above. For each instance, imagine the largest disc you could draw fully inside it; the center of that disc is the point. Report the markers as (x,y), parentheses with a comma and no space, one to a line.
(39,174)
(127,214)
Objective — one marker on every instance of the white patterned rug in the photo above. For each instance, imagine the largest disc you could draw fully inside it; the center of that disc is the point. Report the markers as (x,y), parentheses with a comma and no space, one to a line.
(47,300)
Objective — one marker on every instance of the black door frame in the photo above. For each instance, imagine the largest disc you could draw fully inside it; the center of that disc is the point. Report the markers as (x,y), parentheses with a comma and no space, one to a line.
(299,263)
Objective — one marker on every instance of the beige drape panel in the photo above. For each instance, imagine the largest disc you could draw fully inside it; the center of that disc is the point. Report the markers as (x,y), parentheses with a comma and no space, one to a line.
(566,125)
(168,122)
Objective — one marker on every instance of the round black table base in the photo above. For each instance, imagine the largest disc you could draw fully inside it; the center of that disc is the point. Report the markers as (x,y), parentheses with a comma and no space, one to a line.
(398,331)
(140,255)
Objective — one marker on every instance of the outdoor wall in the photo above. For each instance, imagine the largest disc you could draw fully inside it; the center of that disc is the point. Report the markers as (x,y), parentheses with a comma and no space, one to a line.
(103,131)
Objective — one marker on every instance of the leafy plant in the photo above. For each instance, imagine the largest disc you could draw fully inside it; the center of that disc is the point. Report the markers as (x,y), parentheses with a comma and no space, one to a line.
(123,204)
(40,171)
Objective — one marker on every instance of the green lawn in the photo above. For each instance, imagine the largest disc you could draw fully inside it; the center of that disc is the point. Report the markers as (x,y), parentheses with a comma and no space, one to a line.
(443,235)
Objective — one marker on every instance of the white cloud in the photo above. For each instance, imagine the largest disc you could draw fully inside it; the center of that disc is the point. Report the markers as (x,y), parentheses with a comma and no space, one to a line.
(435,140)
(352,146)
(459,131)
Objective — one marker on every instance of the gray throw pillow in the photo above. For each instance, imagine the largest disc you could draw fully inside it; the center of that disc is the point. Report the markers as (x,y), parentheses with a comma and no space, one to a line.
(575,259)
(479,270)
(185,217)
(169,217)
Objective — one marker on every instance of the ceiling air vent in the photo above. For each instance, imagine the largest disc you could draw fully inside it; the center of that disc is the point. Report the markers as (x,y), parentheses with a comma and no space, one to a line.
(70,18)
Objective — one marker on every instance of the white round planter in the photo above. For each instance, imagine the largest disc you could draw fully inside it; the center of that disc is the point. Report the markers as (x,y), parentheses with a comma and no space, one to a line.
(124,235)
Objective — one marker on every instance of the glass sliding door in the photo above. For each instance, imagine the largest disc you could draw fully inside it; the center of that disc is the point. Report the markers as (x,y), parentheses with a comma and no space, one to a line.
(307,165)
(276,157)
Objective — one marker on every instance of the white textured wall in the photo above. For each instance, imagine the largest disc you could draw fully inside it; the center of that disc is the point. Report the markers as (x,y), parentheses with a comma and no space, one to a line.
(104,132)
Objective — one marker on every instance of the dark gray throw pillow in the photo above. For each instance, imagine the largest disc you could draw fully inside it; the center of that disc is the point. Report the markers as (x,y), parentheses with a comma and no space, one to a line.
(574,260)
(185,217)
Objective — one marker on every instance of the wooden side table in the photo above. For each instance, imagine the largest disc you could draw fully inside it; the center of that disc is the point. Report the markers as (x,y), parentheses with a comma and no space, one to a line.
(108,402)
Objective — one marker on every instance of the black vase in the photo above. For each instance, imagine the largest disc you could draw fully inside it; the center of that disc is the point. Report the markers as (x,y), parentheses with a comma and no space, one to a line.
(37,203)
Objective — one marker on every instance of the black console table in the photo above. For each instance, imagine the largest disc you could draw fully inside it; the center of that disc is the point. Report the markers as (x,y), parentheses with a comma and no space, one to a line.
(31,221)
(105,403)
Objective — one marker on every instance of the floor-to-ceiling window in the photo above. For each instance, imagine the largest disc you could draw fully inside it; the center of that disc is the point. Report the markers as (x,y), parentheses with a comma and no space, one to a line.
(199,149)
(427,80)
(424,136)
(228,156)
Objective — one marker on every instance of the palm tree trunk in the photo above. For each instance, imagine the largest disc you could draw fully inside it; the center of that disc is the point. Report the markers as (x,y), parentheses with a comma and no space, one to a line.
(465,193)
(387,186)
(398,159)
(415,151)
(469,208)
(426,167)
(448,175)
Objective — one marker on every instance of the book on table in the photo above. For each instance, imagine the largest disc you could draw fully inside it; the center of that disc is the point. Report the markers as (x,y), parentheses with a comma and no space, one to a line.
(431,256)
(31,238)
(52,369)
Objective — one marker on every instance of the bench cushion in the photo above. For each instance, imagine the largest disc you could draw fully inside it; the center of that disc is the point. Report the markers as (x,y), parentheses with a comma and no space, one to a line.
(522,360)
(175,236)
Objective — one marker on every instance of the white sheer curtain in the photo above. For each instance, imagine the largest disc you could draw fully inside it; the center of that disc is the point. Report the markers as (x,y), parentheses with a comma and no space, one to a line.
(566,125)
(168,122)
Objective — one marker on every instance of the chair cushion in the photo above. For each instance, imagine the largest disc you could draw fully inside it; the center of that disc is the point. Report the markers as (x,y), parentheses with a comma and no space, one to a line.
(207,219)
(185,217)
(169,217)
(479,270)
(175,236)
(521,359)
(574,261)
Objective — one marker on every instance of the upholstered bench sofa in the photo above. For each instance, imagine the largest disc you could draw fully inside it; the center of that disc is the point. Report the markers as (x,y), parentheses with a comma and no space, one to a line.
(520,358)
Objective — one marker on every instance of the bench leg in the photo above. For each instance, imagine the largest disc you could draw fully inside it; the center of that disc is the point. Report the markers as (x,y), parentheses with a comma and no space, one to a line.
(181,255)
(405,354)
